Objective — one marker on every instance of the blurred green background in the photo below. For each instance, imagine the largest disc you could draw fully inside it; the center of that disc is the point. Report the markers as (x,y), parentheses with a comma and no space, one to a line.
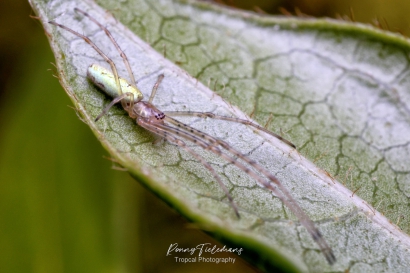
(62,207)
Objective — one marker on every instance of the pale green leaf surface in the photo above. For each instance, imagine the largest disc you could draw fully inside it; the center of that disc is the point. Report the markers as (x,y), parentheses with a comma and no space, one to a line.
(338,90)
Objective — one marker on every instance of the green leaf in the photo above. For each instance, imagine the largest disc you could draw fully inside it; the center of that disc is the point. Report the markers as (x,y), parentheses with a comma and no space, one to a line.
(339,91)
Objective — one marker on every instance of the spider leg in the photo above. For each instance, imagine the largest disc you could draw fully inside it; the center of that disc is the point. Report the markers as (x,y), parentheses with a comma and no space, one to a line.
(211,143)
(166,134)
(238,120)
(114,101)
(108,33)
(155,88)
(96,48)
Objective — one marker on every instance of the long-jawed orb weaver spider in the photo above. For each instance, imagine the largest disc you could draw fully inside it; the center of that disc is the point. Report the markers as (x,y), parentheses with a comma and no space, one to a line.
(175,132)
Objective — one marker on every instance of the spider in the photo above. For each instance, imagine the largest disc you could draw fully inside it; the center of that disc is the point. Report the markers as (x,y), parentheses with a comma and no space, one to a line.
(164,126)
